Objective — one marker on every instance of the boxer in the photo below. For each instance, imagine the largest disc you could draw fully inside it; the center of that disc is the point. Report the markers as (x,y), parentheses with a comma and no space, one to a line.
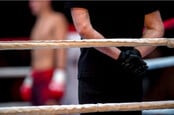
(46,82)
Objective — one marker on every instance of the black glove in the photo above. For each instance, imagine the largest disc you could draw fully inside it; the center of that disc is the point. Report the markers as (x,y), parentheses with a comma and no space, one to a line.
(134,52)
(132,63)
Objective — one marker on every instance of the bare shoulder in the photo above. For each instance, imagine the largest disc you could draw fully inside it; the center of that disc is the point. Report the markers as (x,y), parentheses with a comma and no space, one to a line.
(58,16)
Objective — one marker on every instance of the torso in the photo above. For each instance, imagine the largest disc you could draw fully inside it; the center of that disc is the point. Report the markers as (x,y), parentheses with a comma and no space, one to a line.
(43,59)
(124,19)
(112,20)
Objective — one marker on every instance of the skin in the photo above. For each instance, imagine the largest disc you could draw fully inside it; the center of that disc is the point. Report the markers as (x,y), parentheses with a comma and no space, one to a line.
(153,29)
(50,25)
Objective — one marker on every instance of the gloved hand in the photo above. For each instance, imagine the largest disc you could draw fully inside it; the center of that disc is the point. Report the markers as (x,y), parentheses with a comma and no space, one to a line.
(26,87)
(134,52)
(132,62)
(57,84)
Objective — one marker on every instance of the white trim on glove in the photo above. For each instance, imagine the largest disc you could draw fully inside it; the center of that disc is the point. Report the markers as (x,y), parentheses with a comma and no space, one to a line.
(28,81)
(59,77)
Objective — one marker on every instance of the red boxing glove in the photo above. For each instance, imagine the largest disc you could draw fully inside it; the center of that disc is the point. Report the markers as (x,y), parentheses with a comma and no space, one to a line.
(25,89)
(57,84)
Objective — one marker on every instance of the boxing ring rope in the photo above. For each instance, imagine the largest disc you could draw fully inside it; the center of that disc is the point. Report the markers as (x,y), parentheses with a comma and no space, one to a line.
(35,44)
(85,108)
(156,63)
(12,72)
(160,62)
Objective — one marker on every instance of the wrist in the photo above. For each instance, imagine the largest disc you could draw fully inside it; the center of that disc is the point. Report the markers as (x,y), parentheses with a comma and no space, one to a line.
(122,56)
(28,80)
(59,75)
(118,53)
(137,52)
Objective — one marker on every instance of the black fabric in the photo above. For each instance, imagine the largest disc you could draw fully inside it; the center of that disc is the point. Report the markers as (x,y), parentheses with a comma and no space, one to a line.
(101,79)
(131,62)
(116,18)
(113,19)
(110,88)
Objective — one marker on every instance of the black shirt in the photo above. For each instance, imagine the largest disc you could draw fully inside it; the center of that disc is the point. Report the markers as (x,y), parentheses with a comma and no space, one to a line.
(116,18)
(113,19)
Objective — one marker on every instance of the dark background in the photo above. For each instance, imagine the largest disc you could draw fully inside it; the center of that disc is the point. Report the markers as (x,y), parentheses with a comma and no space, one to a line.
(16,22)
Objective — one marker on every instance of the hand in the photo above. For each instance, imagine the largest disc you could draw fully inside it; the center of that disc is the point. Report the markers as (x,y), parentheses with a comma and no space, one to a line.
(26,87)
(134,52)
(57,84)
(132,63)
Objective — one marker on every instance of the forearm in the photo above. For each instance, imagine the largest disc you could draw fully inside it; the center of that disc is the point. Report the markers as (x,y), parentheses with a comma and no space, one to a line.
(61,59)
(61,32)
(109,51)
(84,28)
(145,50)
(153,29)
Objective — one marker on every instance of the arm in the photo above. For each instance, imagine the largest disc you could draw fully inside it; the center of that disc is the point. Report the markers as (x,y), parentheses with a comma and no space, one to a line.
(58,81)
(153,29)
(60,33)
(84,28)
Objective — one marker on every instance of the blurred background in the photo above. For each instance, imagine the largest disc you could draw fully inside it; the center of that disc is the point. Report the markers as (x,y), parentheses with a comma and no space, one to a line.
(16,22)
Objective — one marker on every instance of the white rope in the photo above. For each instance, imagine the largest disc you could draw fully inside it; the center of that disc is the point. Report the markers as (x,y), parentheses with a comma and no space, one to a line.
(145,112)
(35,44)
(86,108)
